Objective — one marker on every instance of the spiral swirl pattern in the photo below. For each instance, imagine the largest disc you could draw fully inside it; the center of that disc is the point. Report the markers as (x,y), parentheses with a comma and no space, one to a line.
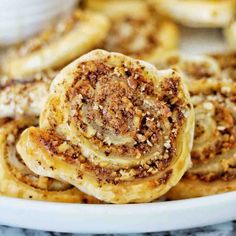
(214,148)
(17,180)
(115,128)
(136,30)
(50,48)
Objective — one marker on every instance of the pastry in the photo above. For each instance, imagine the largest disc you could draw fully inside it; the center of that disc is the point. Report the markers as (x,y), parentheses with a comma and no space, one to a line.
(24,98)
(57,45)
(114,127)
(198,13)
(16,180)
(198,71)
(230,34)
(227,62)
(214,147)
(136,30)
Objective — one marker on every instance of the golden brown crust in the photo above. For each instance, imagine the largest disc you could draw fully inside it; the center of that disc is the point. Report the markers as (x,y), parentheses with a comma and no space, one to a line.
(116,128)
(199,72)
(16,180)
(198,13)
(196,188)
(136,30)
(214,148)
(50,49)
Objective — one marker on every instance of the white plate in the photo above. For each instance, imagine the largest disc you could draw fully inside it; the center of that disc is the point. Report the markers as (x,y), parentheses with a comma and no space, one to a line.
(134,218)
(151,217)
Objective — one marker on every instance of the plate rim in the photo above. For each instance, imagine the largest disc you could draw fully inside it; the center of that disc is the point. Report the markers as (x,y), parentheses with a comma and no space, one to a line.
(147,215)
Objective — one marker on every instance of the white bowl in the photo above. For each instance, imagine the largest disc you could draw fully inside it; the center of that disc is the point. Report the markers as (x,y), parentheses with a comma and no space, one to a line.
(22,19)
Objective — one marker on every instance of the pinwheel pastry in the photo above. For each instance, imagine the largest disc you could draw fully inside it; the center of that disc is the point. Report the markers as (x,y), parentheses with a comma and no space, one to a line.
(227,62)
(136,30)
(57,45)
(230,34)
(198,71)
(114,127)
(17,180)
(198,13)
(24,97)
(214,148)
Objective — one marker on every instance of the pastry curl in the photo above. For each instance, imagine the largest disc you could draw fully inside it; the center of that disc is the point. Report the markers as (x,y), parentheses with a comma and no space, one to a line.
(198,71)
(230,34)
(24,98)
(136,30)
(114,127)
(17,180)
(214,148)
(198,13)
(227,62)
(57,45)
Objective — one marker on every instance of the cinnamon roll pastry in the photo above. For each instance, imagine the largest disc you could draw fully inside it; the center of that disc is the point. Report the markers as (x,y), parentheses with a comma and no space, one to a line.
(214,147)
(57,45)
(114,127)
(227,62)
(230,34)
(136,30)
(198,71)
(198,13)
(17,180)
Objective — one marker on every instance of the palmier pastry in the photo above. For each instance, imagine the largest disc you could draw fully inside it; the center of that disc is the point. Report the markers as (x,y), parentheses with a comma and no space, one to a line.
(198,71)
(198,13)
(57,45)
(114,127)
(136,30)
(227,62)
(230,34)
(214,148)
(16,180)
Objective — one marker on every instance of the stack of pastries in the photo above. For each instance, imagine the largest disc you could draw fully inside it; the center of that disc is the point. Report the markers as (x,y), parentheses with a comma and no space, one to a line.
(133,121)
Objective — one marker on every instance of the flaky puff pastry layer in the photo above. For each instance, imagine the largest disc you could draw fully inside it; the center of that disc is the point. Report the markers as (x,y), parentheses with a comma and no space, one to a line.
(199,72)
(69,38)
(198,13)
(17,180)
(214,148)
(136,30)
(19,97)
(114,127)
(230,35)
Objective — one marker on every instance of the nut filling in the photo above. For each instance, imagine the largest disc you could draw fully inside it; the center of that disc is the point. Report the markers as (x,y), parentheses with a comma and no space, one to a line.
(51,34)
(114,125)
(120,111)
(215,134)
(21,171)
(135,37)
